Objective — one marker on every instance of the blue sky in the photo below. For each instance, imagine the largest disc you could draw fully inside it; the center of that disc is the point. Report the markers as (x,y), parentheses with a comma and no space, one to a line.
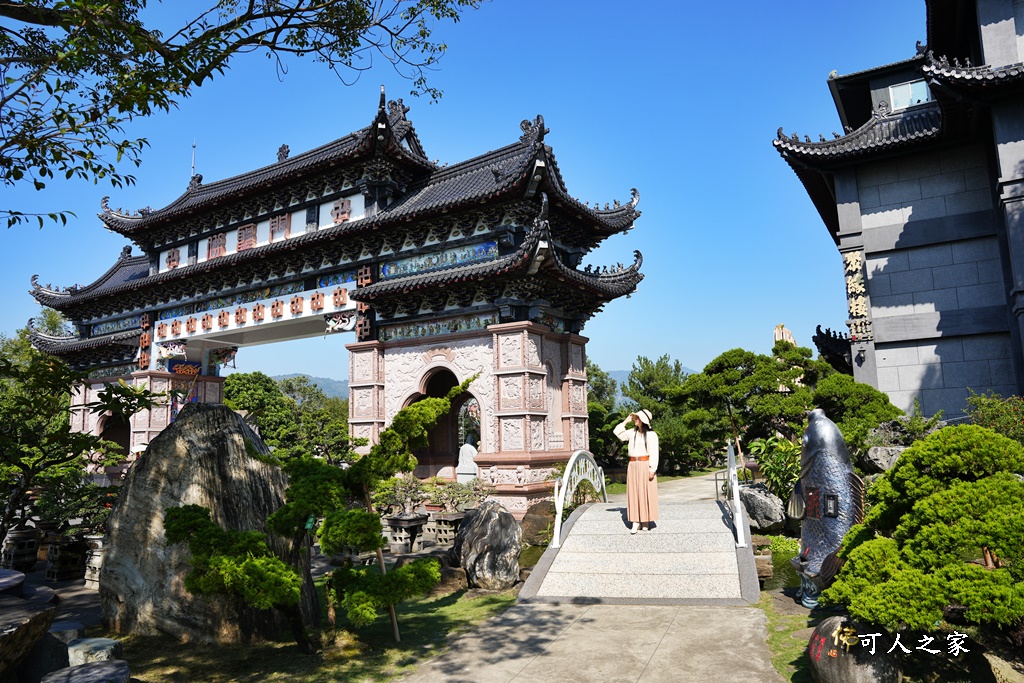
(678,99)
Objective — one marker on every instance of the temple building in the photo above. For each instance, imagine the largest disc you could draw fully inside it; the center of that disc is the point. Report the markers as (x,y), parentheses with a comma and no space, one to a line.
(440,273)
(922,195)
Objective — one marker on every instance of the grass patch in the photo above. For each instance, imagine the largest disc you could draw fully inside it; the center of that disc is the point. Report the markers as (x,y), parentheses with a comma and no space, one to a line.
(367,655)
(789,653)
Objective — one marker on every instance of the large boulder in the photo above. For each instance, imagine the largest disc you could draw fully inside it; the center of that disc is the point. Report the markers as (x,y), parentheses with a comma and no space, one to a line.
(208,456)
(538,523)
(837,655)
(22,625)
(765,510)
(880,458)
(488,546)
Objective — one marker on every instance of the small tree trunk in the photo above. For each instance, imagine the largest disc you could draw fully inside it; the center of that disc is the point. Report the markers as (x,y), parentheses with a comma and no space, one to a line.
(383,570)
(309,603)
(302,639)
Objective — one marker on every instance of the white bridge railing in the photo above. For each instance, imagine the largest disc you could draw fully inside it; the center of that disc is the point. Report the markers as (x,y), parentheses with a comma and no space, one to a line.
(738,518)
(581,466)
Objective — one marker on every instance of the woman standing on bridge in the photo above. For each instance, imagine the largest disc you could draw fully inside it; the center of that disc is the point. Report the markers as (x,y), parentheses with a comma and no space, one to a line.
(641,484)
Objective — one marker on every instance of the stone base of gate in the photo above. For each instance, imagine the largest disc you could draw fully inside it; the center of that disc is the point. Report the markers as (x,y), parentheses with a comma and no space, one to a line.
(520,479)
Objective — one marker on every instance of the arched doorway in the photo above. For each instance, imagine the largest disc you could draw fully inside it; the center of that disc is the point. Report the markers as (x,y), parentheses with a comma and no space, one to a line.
(117,430)
(441,455)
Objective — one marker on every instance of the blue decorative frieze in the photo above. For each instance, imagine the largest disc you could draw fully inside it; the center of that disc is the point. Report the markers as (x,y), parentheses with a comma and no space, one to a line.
(424,263)
(229,301)
(176,312)
(556,324)
(131,323)
(290,288)
(431,328)
(114,371)
(336,279)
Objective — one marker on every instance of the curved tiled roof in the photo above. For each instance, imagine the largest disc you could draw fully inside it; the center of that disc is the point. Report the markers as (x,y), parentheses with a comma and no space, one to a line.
(199,196)
(53,345)
(884,131)
(125,270)
(976,78)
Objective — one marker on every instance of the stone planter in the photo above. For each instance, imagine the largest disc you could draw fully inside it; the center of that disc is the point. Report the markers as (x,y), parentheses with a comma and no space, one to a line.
(19,550)
(66,560)
(405,530)
(447,526)
(45,533)
(94,561)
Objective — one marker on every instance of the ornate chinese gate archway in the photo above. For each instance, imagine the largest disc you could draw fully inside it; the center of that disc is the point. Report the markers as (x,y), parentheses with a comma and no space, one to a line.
(441,273)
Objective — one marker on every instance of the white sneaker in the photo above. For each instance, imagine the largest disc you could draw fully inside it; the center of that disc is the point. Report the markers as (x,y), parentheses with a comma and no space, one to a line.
(634,528)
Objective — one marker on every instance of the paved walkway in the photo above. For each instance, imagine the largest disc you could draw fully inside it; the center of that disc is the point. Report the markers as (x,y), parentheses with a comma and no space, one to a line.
(573,640)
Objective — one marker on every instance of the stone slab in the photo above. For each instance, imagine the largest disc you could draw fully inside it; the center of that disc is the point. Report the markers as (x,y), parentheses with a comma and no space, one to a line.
(690,510)
(660,563)
(67,631)
(113,671)
(651,542)
(87,650)
(644,586)
(11,582)
(672,526)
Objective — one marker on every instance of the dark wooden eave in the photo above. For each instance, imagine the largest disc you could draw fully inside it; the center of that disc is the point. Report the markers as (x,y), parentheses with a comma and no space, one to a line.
(983,83)
(117,347)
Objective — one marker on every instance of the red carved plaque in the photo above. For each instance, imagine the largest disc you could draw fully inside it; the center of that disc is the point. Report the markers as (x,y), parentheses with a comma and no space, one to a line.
(813,503)
(246,237)
(240,314)
(277,309)
(362,307)
(223,318)
(145,340)
(144,324)
(190,325)
(216,246)
(316,302)
(280,227)
(176,327)
(173,258)
(362,329)
(207,322)
(258,312)
(342,211)
(143,361)
(340,297)
(296,306)
(161,330)
(364,276)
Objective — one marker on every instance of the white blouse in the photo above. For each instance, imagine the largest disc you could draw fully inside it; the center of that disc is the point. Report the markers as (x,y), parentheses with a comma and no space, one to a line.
(638,445)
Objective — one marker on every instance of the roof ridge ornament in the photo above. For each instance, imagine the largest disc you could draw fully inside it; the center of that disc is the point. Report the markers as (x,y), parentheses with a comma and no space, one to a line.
(397,109)
(383,100)
(282,153)
(533,131)
(195,182)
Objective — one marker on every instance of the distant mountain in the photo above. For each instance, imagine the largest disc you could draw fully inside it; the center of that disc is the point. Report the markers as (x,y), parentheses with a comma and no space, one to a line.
(337,388)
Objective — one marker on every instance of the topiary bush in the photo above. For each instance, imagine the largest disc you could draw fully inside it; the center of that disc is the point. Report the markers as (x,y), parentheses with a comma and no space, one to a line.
(855,408)
(946,528)
(1004,415)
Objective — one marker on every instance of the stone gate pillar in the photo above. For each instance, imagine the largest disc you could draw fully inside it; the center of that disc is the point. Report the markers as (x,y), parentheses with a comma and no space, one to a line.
(366,391)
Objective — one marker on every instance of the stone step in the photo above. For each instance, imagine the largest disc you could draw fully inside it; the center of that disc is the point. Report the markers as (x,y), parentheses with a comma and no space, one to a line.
(112,671)
(590,526)
(649,542)
(666,511)
(660,563)
(644,586)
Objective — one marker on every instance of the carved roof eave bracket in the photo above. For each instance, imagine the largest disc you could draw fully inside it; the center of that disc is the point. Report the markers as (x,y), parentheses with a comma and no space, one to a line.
(55,345)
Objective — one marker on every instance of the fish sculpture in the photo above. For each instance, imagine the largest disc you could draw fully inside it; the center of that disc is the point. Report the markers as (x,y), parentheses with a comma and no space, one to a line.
(829,498)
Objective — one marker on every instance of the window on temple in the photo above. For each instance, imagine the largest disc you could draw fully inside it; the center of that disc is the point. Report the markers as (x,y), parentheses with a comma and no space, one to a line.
(216,246)
(193,253)
(908,94)
(280,227)
(246,237)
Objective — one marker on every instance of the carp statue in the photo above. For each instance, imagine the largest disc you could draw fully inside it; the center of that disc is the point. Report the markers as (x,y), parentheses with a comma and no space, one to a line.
(829,498)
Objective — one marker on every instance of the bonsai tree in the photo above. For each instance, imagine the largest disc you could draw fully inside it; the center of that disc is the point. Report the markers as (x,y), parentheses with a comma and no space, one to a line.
(450,495)
(401,495)
(946,528)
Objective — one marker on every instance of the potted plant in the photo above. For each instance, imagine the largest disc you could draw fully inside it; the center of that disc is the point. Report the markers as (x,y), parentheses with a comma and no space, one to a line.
(400,497)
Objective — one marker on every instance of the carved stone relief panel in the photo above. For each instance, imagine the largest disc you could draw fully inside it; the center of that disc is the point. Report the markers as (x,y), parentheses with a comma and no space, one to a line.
(511,346)
(578,435)
(362,431)
(512,434)
(362,402)
(511,392)
(533,345)
(362,366)
(576,358)
(537,434)
(577,397)
(536,392)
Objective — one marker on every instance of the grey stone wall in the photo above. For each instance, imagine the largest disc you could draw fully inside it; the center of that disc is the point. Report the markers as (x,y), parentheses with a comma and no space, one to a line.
(935,279)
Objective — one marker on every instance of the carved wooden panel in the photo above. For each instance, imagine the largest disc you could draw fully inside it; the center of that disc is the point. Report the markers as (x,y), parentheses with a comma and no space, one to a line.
(341,211)
(316,302)
(364,276)
(145,340)
(143,361)
(246,237)
(340,297)
(296,305)
(277,309)
(258,311)
(363,329)
(144,321)
(280,227)
(173,258)
(207,322)
(240,314)
(176,327)
(161,330)
(190,325)
(216,246)
(223,319)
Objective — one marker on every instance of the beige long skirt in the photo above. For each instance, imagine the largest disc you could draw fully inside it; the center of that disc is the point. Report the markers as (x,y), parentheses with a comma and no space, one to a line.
(641,493)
